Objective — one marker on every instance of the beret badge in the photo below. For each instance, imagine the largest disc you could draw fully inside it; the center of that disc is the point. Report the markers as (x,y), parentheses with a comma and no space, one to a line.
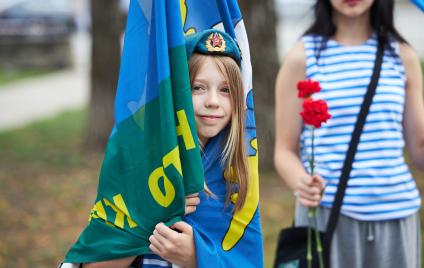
(215,42)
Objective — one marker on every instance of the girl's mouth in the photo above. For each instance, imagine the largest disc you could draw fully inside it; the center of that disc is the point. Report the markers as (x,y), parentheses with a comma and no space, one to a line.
(210,117)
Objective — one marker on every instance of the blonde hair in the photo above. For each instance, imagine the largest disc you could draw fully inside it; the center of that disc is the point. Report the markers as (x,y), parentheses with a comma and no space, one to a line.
(234,154)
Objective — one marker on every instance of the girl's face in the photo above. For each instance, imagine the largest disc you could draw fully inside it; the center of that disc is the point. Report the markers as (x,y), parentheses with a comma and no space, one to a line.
(351,8)
(211,100)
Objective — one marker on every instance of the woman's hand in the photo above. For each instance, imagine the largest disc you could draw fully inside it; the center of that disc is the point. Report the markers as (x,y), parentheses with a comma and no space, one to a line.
(309,190)
(175,245)
(191,202)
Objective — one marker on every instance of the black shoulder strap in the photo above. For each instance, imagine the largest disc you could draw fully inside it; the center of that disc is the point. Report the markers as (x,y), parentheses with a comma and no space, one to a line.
(347,165)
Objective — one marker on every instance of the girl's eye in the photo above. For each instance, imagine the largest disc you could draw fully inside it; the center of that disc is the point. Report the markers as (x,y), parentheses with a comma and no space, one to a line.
(225,90)
(196,88)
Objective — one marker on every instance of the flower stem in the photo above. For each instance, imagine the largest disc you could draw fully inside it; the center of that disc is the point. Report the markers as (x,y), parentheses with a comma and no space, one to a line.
(309,249)
(310,210)
(312,163)
(318,240)
(313,212)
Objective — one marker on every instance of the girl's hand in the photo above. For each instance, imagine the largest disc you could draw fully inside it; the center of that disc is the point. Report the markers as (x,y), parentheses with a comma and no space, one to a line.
(191,202)
(309,190)
(175,245)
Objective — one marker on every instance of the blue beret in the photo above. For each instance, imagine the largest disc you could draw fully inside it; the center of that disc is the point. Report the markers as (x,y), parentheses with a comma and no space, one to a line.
(213,42)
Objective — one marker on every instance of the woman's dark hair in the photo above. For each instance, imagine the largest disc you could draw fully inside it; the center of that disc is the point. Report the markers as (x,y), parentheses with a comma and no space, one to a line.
(381,19)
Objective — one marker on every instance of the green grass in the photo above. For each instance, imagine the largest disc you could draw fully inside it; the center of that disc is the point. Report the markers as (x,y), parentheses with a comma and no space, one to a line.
(7,77)
(48,187)
(54,142)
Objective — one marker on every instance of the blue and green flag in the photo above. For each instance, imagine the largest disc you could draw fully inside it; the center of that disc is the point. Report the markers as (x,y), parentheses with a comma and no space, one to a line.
(152,160)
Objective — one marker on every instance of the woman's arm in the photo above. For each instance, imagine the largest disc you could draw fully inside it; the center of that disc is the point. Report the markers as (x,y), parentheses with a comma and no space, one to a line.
(414,106)
(288,129)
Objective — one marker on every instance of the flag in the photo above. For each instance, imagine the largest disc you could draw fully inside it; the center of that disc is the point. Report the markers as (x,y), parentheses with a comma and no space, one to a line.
(225,238)
(419,4)
(152,159)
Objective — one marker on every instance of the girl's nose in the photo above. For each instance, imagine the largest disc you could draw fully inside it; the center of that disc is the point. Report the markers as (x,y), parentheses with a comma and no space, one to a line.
(212,99)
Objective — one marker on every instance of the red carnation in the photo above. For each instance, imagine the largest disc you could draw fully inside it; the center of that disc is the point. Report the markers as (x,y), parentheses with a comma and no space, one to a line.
(307,87)
(315,112)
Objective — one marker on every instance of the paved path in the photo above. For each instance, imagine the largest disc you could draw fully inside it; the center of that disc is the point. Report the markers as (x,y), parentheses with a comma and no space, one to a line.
(34,99)
(37,98)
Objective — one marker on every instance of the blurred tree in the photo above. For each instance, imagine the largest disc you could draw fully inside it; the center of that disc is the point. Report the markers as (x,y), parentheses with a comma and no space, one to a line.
(105,60)
(261,22)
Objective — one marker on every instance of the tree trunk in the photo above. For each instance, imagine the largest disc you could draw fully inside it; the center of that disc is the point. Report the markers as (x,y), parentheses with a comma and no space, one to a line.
(261,22)
(105,60)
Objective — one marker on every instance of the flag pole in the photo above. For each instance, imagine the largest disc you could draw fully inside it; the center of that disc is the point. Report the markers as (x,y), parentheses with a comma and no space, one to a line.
(226,18)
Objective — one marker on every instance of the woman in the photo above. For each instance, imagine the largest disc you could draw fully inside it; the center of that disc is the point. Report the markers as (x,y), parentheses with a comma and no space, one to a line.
(379,222)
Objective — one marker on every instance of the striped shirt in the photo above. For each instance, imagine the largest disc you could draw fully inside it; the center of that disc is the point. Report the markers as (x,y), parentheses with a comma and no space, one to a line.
(380,186)
(154,261)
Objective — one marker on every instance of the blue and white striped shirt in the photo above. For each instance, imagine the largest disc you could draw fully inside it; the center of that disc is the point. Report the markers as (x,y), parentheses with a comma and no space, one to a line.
(380,186)
(154,261)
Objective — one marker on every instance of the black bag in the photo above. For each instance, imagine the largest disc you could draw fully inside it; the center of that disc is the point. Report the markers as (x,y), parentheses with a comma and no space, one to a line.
(292,242)
(291,248)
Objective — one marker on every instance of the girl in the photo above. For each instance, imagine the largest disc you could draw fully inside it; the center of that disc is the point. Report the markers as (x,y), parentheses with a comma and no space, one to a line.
(379,225)
(218,101)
